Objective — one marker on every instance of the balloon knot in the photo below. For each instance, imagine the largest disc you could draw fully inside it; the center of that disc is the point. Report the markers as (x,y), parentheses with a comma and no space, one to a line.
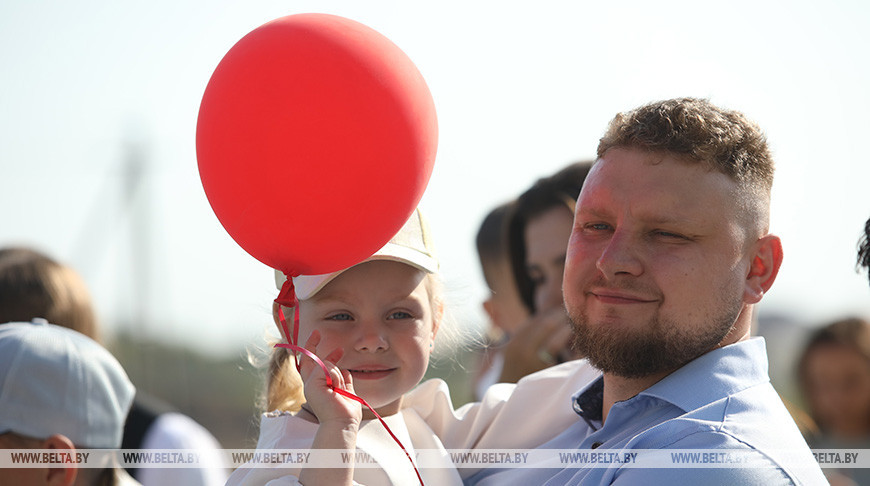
(287,296)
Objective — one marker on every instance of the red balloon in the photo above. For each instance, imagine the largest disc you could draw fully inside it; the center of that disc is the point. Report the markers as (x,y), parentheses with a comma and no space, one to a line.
(315,140)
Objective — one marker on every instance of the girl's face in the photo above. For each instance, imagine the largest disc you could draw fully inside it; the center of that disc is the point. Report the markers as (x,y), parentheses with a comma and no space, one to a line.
(838,386)
(380,313)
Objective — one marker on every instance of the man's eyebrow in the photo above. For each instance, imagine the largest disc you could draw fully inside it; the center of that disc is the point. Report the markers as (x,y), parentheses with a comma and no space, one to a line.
(664,219)
(593,211)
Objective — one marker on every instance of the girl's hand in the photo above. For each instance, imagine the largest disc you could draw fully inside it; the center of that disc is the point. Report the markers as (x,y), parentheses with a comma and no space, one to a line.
(339,417)
(328,406)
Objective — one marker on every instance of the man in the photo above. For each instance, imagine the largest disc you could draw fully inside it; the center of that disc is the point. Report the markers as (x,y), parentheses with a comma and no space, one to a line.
(669,253)
(33,284)
(60,390)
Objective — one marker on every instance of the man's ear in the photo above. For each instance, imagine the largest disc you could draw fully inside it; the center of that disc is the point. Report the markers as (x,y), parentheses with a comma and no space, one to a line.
(64,475)
(763,268)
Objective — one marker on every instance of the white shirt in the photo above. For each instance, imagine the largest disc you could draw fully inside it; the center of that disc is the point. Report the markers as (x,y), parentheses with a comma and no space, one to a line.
(286,431)
(177,431)
(536,412)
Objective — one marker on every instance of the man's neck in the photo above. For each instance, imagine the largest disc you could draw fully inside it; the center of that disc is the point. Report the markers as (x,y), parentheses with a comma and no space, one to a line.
(619,388)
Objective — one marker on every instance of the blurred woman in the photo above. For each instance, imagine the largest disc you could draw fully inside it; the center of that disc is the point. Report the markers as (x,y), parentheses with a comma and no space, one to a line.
(834,373)
(537,238)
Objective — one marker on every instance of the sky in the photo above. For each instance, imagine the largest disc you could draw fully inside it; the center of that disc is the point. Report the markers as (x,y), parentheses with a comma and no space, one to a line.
(520,88)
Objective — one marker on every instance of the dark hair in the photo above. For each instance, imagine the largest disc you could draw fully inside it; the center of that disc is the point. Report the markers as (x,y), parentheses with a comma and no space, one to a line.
(559,189)
(34,285)
(491,240)
(864,249)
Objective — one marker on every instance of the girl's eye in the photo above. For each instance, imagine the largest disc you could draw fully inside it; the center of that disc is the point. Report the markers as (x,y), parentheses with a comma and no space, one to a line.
(342,316)
(400,315)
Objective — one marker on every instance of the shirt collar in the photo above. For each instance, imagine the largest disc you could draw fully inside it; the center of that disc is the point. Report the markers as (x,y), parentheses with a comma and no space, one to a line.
(723,371)
(588,403)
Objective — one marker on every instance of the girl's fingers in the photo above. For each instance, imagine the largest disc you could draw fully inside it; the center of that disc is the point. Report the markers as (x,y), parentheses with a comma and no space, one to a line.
(348,381)
(337,378)
(306,365)
(334,356)
(313,341)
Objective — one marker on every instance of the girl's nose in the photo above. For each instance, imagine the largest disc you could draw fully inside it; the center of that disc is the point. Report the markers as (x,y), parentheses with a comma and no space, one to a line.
(371,338)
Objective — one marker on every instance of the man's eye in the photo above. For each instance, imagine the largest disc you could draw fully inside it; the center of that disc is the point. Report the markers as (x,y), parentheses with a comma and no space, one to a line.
(597,226)
(668,234)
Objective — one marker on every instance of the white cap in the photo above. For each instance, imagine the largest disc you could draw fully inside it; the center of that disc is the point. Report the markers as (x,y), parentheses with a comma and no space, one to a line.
(54,380)
(412,245)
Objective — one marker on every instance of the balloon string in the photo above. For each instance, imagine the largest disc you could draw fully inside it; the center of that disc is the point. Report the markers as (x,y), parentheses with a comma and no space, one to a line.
(288,296)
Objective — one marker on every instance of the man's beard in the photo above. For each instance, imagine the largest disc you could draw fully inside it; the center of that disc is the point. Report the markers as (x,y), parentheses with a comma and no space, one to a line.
(661,345)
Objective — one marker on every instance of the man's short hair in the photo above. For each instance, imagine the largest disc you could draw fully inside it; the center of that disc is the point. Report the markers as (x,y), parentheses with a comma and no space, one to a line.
(697,130)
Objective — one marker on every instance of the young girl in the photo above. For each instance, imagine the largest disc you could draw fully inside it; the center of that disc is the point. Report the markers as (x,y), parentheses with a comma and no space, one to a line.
(373,325)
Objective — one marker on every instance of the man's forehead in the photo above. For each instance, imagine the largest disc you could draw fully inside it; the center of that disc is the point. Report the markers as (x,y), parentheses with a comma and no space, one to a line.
(656,179)
(679,165)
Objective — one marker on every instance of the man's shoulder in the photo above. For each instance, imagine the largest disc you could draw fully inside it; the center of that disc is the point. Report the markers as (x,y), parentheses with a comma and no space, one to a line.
(746,441)
(754,416)
(714,475)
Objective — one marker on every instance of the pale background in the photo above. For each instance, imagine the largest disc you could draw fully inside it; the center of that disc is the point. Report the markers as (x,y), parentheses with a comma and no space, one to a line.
(521,89)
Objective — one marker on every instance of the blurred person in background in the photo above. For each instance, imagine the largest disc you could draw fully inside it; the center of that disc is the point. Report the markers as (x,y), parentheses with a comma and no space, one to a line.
(503,306)
(834,374)
(33,285)
(864,249)
(538,233)
(61,391)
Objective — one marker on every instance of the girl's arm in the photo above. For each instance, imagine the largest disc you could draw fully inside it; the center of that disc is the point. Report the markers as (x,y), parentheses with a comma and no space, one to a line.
(338,417)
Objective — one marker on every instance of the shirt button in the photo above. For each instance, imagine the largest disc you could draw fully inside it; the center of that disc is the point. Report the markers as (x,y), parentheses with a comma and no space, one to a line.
(596,445)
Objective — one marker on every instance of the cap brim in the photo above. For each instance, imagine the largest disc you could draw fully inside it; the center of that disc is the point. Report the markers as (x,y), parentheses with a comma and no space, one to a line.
(308,285)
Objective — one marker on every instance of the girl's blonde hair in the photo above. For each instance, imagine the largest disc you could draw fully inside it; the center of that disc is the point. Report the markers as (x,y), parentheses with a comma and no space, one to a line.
(283,385)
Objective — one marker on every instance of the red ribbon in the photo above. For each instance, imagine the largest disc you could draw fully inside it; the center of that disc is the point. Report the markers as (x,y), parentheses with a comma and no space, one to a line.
(287,298)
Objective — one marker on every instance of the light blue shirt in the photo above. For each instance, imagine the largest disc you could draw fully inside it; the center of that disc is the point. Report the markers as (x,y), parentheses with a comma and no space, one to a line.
(721,400)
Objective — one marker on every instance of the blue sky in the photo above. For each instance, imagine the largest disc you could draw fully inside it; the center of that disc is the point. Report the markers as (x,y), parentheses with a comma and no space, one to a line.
(521,89)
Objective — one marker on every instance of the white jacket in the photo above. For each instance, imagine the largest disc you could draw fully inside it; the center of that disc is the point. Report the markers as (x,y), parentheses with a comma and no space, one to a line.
(538,410)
